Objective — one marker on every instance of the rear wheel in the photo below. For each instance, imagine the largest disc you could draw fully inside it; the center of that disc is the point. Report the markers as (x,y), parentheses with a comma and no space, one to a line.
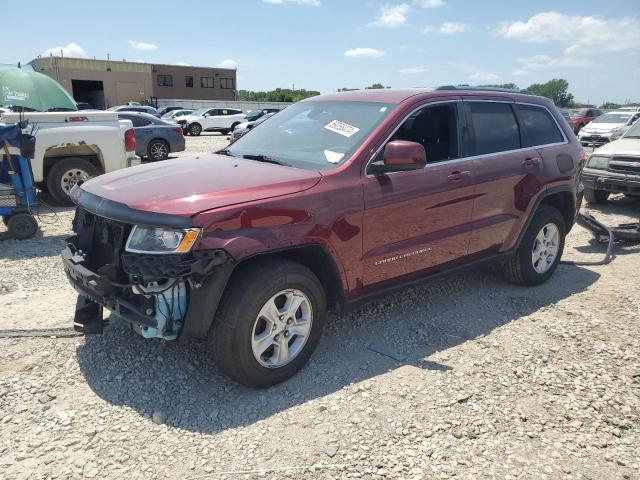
(158,150)
(595,196)
(539,252)
(22,226)
(195,129)
(66,174)
(269,322)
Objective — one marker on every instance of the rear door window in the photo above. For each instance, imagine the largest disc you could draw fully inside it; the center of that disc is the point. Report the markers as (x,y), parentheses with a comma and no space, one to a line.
(538,126)
(494,126)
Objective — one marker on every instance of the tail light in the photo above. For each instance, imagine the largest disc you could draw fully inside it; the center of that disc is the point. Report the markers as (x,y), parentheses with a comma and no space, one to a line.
(130,140)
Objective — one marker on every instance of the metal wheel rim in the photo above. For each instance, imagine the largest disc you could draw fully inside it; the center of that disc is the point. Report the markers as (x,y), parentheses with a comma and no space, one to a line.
(545,248)
(282,328)
(159,150)
(71,177)
(194,129)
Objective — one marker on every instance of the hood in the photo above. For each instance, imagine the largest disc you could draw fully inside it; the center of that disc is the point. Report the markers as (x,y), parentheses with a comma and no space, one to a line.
(601,127)
(190,185)
(623,146)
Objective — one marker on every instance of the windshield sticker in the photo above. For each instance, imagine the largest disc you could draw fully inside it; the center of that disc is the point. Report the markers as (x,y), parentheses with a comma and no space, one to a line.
(333,157)
(341,128)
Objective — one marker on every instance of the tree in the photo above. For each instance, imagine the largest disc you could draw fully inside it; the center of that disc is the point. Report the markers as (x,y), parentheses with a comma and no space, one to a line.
(555,89)
(610,106)
(375,86)
(508,86)
(277,95)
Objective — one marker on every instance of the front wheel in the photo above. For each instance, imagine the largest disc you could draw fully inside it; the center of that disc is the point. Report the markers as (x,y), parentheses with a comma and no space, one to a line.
(593,196)
(539,253)
(66,174)
(195,129)
(269,322)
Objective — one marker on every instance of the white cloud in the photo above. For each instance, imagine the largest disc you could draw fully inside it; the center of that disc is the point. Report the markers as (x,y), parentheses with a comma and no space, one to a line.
(427,29)
(413,70)
(70,50)
(483,77)
(142,45)
(429,3)
(313,3)
(583,34)
(364,53)
(520,72)
(391,16)
(453,27)
(228,63)
(546,62)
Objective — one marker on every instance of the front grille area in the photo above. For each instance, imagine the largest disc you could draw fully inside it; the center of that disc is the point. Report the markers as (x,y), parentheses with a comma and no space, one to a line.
(625,164)
(101,241)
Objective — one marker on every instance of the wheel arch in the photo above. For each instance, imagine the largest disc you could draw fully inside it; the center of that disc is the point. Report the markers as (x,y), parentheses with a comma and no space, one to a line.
(95,159)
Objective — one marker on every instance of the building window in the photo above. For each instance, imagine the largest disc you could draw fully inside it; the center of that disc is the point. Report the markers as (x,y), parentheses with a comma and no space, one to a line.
(206,82)
(226,83)
(165,80)
(188,81)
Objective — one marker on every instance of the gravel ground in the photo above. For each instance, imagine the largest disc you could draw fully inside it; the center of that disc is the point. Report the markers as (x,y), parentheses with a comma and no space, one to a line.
(467,377)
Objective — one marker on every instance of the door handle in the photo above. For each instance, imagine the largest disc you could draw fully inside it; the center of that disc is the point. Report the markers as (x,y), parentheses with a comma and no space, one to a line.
(458,175)
(531,162)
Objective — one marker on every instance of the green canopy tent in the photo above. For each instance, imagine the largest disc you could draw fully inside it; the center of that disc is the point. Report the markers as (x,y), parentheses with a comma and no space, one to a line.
(29,89)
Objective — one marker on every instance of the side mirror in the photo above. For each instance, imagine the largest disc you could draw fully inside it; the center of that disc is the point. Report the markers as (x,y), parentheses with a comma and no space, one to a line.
(401,156)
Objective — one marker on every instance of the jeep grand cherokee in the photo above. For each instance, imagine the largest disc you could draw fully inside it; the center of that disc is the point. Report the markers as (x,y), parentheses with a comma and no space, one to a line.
(335,199)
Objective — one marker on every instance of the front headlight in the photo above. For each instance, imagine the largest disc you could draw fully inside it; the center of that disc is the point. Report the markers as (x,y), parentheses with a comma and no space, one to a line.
(598,162)
(161,240)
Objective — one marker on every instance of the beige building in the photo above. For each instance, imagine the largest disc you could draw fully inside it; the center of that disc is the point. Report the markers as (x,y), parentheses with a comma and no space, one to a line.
(105,83)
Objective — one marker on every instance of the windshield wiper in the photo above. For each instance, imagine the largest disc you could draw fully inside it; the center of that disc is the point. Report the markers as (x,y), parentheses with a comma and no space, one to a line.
(226,152)
(265,159)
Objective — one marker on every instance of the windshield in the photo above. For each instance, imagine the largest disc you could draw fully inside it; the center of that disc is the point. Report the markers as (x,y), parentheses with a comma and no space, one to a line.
(634,131)
(613,118)
(315,135)
(200,112)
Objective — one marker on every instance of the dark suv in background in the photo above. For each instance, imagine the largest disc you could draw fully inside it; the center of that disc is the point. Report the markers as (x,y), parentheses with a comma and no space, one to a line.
(334,200)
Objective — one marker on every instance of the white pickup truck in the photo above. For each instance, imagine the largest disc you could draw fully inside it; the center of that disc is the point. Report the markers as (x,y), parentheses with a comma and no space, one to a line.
(74,146)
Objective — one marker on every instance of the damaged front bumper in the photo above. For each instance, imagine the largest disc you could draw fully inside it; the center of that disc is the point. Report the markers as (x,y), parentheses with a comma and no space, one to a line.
(156,296)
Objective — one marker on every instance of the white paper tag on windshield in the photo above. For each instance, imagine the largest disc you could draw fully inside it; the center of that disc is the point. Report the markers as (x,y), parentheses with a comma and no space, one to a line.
(333,157)
(342,128)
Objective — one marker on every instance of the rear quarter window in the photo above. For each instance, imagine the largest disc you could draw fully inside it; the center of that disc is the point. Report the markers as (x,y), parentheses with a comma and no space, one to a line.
(538,126)
(494,126)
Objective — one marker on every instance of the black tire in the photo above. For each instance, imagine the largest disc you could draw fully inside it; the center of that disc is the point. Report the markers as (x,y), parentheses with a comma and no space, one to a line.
(22,226)
(248,291)
(68,168)
(158,150)
(194,129)
(595,196)
(5,220)
(520,268)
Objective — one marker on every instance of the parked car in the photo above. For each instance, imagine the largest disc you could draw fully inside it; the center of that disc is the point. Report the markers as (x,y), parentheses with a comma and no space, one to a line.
(222,120)
(566,114)
(134,108)
(608,125)
(246,127)
(72,147)
(252,115)
(249,247)
(162,111)
(614,168)
(170,116)
(155,138)
(582,117)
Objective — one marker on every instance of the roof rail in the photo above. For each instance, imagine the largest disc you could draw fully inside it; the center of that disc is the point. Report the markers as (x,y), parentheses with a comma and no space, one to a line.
(484,89)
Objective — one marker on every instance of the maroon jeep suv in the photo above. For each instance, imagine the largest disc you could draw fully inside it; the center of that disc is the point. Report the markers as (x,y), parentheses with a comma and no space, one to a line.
(335,199)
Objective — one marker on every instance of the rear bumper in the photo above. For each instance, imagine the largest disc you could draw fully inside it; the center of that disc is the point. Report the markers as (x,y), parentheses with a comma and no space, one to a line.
(611,182)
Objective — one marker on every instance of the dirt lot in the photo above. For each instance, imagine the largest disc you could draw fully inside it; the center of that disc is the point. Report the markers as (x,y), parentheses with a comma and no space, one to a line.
(467,377)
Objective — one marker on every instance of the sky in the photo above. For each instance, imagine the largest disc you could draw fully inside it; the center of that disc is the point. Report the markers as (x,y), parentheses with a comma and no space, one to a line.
(329,44)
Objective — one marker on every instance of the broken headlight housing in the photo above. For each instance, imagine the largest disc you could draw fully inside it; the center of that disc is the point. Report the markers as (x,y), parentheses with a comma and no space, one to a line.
(160,240)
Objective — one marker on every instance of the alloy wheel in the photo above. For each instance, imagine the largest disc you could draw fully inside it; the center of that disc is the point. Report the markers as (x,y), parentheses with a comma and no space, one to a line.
(282,328)
(159,151)
(72,177)
(545,248)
